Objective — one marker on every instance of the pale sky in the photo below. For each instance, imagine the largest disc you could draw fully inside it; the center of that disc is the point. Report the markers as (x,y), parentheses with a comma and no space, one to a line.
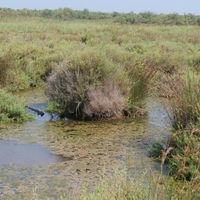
(122,6)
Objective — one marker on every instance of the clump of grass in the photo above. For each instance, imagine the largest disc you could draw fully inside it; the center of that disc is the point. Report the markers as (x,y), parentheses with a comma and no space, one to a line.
(195,61)
(184,158)
(5,65)
(11,110)
(185,161)
(140,75)
(183,165)
(185,106)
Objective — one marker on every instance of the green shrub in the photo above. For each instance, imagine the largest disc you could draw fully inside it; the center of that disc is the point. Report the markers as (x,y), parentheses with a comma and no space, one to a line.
(11,110)
(155,150)
(93,83)
(185,161)
(86,38)
(16,69)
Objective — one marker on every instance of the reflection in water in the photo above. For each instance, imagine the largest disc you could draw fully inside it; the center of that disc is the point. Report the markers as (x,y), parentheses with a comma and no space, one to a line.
(26,154)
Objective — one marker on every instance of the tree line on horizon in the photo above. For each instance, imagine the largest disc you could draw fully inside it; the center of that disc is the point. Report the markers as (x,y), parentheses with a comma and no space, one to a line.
(123,18)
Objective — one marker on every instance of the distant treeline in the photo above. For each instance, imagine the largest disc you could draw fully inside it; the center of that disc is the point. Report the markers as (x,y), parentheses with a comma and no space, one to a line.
(123,18)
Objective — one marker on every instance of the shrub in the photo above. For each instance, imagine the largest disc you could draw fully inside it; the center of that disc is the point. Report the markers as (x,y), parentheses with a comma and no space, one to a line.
(185,161)
(11,110)
(92,84)
(155,149)
(16,73)
(85,86)
(86,38)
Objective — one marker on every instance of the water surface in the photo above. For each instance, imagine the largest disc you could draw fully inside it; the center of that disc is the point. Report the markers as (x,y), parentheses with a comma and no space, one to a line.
(70,153)
(11,152)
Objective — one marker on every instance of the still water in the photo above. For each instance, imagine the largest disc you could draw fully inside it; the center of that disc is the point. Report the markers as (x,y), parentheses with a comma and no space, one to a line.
(53,157)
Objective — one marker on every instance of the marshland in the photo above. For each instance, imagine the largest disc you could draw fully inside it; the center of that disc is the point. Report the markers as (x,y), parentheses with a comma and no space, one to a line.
(120,100)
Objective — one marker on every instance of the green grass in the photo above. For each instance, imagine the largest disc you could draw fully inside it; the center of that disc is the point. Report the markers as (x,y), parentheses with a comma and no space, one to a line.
(40,44)
(32,47)
(11,110)
(185,107)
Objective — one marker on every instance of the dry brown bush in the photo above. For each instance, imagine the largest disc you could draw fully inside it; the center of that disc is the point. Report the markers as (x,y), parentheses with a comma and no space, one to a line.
(104,103)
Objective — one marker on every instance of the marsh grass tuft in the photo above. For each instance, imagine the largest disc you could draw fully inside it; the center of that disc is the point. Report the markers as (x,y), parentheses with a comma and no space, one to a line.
(6,64)
(183,158)
(140,74)
(185,106)
(184,163)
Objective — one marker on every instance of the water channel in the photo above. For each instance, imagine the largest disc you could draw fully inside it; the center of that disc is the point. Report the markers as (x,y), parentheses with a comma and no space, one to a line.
(53,157)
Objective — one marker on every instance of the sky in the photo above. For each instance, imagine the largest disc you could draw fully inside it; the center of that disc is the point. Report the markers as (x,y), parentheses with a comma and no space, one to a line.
(122,6)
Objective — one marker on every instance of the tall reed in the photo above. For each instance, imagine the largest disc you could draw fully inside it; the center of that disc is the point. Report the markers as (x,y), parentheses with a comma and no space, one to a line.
(140,75)
(185,105)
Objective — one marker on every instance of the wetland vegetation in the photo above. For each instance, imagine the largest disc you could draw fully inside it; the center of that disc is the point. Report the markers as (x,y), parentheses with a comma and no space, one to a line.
(96,66)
